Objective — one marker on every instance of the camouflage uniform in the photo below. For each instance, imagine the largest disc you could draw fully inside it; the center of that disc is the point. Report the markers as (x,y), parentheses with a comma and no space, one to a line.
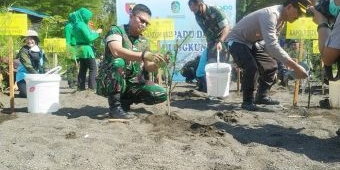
(212,22)
(127,78)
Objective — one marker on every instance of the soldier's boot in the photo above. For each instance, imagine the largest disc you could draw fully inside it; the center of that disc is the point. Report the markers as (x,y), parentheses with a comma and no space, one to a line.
(116,110)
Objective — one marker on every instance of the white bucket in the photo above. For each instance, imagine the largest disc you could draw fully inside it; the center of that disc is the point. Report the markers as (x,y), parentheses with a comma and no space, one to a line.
(218,78)
(42,92)
(334,94)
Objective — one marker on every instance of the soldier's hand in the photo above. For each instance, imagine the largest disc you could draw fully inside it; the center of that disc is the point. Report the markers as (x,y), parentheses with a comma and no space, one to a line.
(157,58)
(219,46)
(150,66)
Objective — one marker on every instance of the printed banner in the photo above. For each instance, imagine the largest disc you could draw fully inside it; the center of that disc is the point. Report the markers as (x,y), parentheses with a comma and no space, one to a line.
(159,29)
(54,45)
(13,24)
(184,25)
(303,28)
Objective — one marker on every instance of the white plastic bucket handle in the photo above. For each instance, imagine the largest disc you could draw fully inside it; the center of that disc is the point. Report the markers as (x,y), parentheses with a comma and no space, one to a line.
(54,70)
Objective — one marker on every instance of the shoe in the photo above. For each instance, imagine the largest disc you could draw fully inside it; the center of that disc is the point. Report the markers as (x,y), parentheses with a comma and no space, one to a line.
(125,103)
(80,89)
(202,84)
(71,84)
(338,132)
(202,90)
(126,106)
(91,90)
(250,106)
(266,100)
(284,81)
(326,81)
(324,104)
(119,113)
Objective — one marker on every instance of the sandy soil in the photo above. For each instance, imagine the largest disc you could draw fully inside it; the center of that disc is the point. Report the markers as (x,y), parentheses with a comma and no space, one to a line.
(199,134)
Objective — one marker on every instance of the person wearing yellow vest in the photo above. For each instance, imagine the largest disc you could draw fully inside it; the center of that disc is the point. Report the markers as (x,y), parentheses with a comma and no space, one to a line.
(84,38)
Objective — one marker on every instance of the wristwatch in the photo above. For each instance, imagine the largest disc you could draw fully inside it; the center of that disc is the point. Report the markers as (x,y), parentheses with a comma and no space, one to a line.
(323,25)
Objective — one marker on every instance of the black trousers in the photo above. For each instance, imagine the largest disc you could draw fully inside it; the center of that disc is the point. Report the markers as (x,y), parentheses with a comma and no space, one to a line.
(91,65)
(257,66)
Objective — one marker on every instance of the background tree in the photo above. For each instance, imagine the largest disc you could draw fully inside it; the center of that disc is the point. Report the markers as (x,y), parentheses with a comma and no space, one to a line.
(58,10)
(244,7)
(55,7)
(53,26)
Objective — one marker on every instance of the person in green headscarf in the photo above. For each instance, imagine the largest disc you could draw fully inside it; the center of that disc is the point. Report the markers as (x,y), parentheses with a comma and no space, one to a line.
(122,76)
(84,38)
(72,68)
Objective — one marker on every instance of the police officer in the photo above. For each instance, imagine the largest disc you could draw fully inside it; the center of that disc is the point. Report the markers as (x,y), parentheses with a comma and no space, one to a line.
(253,44)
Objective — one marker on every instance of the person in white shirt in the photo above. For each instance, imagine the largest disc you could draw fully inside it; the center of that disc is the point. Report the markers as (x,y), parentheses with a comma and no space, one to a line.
(253,44)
